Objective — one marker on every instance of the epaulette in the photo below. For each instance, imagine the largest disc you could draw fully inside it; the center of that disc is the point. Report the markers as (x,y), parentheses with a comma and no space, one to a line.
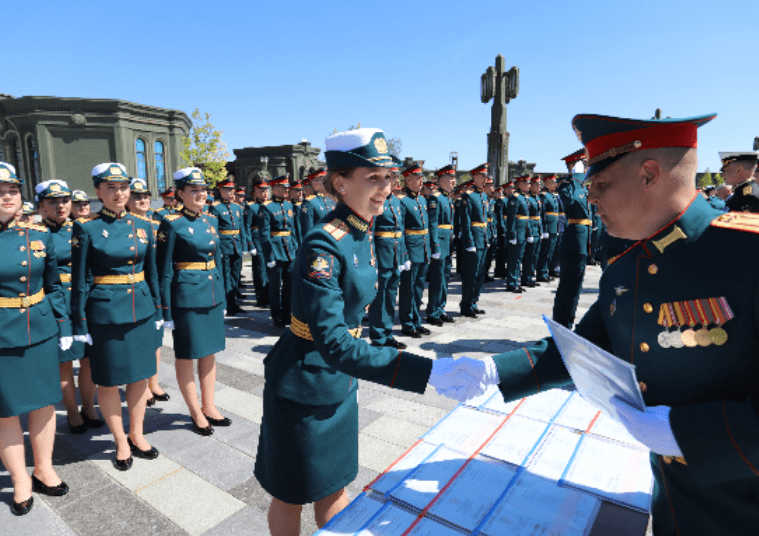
(215,203)
(211,215)
(310,197)
(740,221)
(437,194)
(401,196)
(268,202)
(85,220)
(251,203)
(33,227)
(173,217)
(337,228)
(68,223)
(143,218)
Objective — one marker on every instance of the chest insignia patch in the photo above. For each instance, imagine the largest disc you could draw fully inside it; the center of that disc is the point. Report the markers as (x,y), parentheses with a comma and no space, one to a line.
(320,266)
(161,236)
(105,233)
(747,190)
(75,242)
(191,230)
(620,290)
(37,245)
(142,235)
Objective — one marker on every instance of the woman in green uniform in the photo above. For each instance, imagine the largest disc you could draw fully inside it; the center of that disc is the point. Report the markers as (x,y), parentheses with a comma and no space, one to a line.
(192,296)
(34,326)
(54,200)
(308,447)
(139,205)
(120,311)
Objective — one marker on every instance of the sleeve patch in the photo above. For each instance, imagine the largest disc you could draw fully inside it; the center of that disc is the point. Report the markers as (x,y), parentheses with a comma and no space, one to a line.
(320,266)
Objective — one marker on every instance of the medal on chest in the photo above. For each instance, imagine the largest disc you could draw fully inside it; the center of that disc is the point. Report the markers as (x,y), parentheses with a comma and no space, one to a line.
(689,314)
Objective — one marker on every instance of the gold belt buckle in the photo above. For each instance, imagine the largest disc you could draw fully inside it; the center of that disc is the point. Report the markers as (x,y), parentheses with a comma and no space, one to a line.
(130,278)
(208,265)
(26,301)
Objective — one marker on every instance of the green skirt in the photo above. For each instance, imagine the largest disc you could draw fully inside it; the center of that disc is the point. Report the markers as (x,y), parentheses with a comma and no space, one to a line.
(29,378)
(119,355)
(306,453)
(198,332)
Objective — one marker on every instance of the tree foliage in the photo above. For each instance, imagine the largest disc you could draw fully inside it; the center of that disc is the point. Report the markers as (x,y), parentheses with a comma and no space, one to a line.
(204,149)
(718,179)
(705,180)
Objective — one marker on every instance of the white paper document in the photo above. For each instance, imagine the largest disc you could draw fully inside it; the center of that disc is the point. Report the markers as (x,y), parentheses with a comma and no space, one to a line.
(429,527)
(464,429)
(577,414)
(425,483)
(393,521)
(403,466)
(614,471)
(511,520)
(353,518)
(495,403)
(478,401)
(611,428)
(515,440)
(554,453)
(544,406)
(598,375)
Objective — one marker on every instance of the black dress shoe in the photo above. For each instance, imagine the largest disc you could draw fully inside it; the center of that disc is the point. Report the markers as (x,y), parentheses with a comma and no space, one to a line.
(423,330)
(53,491)
(470,314)
(224,421)
(529,284)
(447,319)
(151,454)
(162,398)
(91,423)
(489,279)
(393,343)
(19,509)
(553,274)
(413,334)
(78,429)
(435,321)
(479,311)
(151,401)
(207,431)
(234,310)
(123,465)
(542,280)
(515,290)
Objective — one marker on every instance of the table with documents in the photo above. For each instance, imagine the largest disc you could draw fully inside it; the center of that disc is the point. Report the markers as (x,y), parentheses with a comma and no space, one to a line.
(548,464)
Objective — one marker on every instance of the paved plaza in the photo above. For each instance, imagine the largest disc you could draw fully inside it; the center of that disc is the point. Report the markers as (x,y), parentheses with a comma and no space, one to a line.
(205,485)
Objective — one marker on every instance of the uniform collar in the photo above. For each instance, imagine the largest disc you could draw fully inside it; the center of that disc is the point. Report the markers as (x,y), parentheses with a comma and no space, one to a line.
(187,212)
(410,193)
(277,199)
(356,223)
(478,190)
(53,225)
(111,214)
(687,227)
(443,192)
(744,183)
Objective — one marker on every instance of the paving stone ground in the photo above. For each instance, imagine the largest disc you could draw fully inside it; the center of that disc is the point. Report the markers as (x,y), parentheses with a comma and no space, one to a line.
(205,485)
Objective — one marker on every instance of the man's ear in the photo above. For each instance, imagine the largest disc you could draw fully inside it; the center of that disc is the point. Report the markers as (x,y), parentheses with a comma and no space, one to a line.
(651,173)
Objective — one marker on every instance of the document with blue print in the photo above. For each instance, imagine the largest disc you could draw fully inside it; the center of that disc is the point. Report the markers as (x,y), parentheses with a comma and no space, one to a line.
(598,375)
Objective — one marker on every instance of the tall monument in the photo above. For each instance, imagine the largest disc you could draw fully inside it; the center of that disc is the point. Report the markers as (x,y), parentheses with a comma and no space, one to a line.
(501,86)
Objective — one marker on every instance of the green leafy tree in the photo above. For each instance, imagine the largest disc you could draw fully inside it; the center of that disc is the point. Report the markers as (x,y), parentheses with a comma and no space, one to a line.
(204,149)
(718,179)
(705,180)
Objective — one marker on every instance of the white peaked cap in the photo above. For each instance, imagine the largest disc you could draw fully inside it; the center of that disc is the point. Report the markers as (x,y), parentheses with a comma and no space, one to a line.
(6,164)
(97,170)
(351,139)
(41,187)
(184,172)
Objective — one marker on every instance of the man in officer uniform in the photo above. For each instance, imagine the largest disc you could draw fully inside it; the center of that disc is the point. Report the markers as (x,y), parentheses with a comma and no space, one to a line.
(517,218)
(315,206)
(169,204)
(575,241)
(697,368)
(296,199)
(474,238)
(417,242)
(276,225)
(492,231)
(260,278)
(440,212)
(596,230)
(738,170)
(534,234)
(391,258)
(499,209)
(234,240)
(550,204)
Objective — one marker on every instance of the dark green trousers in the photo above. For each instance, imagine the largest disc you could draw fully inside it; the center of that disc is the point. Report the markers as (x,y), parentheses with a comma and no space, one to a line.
(437,293)
(570,286)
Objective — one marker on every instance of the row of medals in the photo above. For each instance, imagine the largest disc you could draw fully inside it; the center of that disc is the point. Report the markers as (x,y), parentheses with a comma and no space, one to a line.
(692,337)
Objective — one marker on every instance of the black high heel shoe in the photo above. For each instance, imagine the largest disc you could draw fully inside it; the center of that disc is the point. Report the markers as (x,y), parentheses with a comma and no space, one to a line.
(123,465)
(38,486)
(91,423)
(22,508)
(162,398)
(151,454)
(78,429)
(226,421)
(207,431)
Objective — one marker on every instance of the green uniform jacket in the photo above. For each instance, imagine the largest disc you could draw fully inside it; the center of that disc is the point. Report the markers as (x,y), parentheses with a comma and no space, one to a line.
(713,390)
(474,209)
(251,225)
(440,212)
(334,280)
(230,218)
(312,211)
(550,212)
(745,197)
(517,216)
(28,265)
(390,251)
(187,237)
(274,217)
(576,237)
(534,228)
(415,218)
(113,245)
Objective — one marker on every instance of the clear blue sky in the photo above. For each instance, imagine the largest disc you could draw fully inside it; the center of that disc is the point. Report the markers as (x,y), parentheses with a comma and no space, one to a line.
(275,73)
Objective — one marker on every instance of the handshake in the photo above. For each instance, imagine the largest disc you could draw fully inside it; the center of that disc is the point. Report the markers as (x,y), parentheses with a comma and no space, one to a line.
(463,378)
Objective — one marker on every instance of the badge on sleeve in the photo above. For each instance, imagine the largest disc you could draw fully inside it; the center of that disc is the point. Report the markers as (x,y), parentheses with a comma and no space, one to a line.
(320,266)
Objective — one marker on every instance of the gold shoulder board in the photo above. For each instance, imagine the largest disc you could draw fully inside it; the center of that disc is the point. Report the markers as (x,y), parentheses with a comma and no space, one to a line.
(740,221)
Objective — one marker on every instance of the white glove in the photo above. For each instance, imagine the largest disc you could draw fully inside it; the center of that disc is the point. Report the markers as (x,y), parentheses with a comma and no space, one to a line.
(460,379)
(158,324)
(471,249)
(271,264)
(225,312)
(64,343)
(83,338)
(254,252)
(545,236)
(407,265)
(436,256)
(651,427)
(513,242)
(530,239)
(491,372)
(169,325)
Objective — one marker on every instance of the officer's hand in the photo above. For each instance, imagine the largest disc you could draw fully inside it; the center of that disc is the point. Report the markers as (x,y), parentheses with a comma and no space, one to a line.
(531,239)
(545,236)
(169,325)
(651,427)
(271,264)
(254,252)
(450,378)
(436,256)
(407,265)
(471,249)
(83,338)
(64,343)
(158,324)
(513,242)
